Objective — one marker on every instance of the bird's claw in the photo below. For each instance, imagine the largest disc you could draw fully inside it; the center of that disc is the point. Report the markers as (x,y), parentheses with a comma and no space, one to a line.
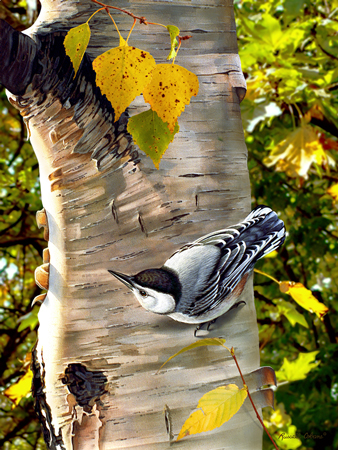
(199,327)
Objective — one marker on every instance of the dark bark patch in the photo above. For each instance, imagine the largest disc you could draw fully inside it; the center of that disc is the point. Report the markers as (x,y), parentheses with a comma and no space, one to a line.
(87,386)
(17,59)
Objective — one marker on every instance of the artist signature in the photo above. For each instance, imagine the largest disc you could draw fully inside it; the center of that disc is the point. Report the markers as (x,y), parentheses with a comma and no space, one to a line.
(307,435)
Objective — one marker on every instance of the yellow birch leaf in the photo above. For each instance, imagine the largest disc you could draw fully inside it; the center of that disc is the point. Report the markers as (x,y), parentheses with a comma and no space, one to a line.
(170,89)
(122,73)
(20,389)
(303,297)
(295,154)
(76,43)
(217,407)
(333,191)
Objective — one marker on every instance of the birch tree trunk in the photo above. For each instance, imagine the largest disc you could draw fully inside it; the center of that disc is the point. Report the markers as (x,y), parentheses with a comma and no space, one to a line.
(98,354)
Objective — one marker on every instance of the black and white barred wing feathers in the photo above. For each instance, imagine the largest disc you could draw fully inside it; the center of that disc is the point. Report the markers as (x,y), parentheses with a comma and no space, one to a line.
(236,251)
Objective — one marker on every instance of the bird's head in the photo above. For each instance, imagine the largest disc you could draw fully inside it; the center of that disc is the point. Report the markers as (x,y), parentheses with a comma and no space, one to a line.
(157,290)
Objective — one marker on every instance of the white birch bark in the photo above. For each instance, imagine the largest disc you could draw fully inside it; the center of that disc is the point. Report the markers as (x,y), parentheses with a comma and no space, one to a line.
(129,217)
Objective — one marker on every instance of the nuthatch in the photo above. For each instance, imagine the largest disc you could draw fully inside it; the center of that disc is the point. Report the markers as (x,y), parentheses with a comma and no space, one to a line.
(203,280)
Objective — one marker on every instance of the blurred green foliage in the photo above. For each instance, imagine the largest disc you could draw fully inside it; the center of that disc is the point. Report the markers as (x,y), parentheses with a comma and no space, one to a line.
(289,56)
(21,245)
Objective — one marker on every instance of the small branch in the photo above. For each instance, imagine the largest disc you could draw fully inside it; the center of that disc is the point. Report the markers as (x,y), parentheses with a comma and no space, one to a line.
(141,19)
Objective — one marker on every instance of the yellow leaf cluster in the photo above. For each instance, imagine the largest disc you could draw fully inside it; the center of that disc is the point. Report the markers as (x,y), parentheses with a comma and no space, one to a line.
(124,72)
(280,425)
(217,407)
(295,154)
(303,297)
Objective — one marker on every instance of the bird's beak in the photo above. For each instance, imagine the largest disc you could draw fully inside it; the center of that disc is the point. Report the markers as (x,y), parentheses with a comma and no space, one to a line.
(123,278)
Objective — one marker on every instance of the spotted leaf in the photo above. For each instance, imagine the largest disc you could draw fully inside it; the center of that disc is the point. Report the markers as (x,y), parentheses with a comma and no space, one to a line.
(122,73)
(76,43)
(169,90)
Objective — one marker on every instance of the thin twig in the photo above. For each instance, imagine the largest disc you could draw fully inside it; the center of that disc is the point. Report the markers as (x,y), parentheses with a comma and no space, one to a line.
(141,19)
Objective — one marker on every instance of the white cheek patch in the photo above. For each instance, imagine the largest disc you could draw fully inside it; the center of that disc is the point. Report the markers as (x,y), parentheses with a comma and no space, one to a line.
(147,302)
(156,302)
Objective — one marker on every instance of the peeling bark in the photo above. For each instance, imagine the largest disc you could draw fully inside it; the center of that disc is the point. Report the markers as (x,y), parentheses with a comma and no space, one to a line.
(42,409)
(96,375)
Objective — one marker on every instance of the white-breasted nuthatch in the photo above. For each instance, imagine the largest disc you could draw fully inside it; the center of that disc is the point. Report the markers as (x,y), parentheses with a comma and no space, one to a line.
(203,280)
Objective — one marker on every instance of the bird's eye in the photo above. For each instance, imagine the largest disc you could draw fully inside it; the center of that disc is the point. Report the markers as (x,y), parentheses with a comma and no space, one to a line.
(143,293)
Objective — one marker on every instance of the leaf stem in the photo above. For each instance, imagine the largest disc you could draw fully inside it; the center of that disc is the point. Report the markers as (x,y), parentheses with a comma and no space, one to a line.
(101,9)
(178,47)
(266,275)
(250,398)
(154,23)
(112,18)
(131,29)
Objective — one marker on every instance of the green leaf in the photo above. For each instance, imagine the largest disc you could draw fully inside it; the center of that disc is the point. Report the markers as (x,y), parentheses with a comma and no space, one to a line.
(291,313)
(200,343)
(151,134)
(269,30)
(299,368)
(29,320)
(293,7)
(76,43)
(174,32)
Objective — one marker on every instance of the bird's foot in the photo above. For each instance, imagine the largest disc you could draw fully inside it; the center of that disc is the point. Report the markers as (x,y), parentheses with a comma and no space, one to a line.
(236,305)
(200,326)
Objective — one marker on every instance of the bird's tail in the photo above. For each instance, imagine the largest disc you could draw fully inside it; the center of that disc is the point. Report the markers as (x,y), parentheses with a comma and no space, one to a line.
(262,227)
(260,233)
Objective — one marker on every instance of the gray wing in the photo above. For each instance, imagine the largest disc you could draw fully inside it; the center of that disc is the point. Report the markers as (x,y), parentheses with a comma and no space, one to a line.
(238,249)
(232,265)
